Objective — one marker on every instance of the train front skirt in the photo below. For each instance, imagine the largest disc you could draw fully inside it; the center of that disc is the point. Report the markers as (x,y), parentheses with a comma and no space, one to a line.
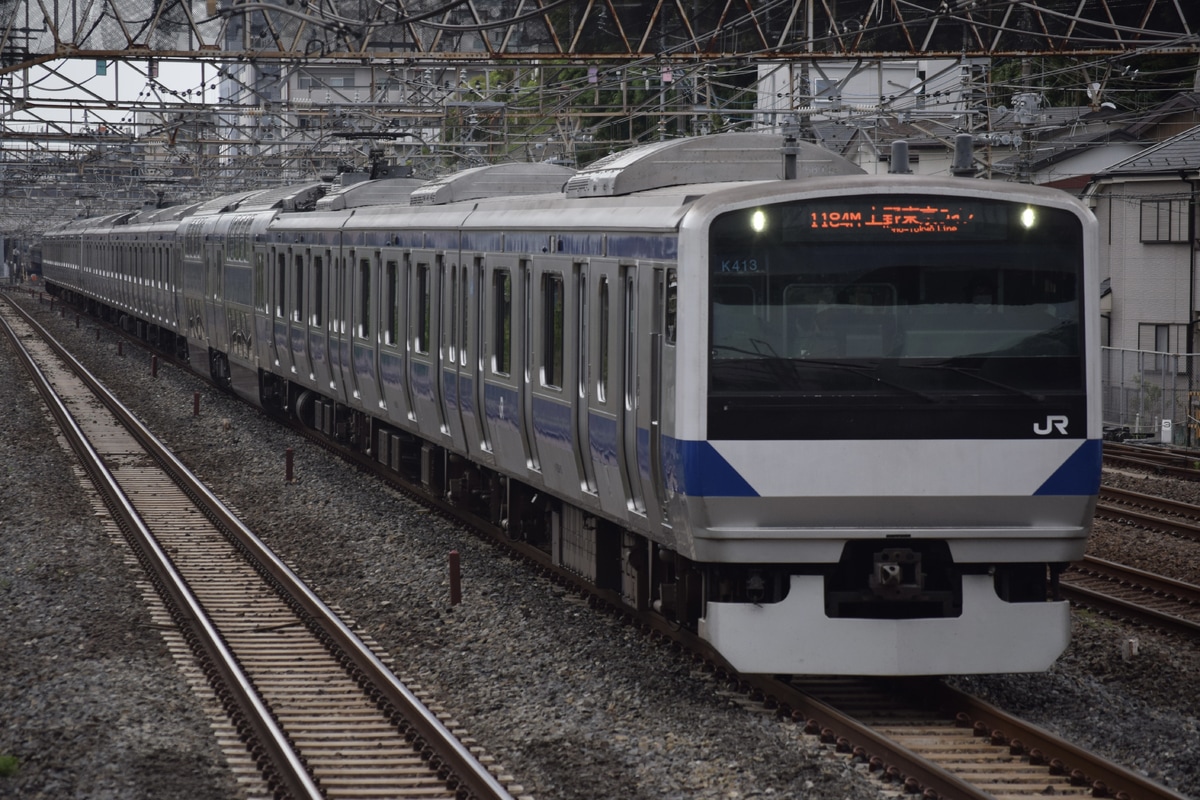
(795,636)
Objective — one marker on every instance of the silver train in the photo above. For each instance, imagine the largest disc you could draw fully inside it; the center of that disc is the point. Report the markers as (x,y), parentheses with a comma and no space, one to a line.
(833,422)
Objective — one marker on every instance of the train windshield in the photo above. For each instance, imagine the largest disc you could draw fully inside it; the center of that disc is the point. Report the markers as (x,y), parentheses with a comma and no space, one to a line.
(866,305)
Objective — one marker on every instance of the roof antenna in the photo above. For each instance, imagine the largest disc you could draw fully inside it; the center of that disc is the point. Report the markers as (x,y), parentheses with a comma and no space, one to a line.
(898,165)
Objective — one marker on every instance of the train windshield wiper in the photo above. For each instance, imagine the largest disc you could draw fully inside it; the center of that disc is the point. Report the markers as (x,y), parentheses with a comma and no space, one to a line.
(870,371)
(974,375)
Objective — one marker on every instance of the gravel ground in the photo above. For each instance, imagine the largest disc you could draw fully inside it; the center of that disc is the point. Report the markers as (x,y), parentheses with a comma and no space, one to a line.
(573,703)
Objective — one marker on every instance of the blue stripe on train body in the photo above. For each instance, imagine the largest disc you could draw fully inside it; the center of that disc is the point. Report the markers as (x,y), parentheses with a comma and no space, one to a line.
(501,407)
(602,440)
(391,369)
(1079,474)
(552,423)
(422,383)
(364,362)
(450,389)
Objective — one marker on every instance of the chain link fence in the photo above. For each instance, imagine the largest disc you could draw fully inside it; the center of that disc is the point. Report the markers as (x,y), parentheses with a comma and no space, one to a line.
(1150,395)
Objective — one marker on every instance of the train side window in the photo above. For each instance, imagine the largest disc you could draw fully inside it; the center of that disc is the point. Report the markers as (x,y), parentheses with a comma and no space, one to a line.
(392,323)
(363,328)
(280,287)
(421,342)
(602,358)
(552,330)
(502,306)
(317,313)
(298,291)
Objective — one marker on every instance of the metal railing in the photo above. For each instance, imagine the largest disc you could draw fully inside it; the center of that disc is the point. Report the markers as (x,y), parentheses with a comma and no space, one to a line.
(1150,395)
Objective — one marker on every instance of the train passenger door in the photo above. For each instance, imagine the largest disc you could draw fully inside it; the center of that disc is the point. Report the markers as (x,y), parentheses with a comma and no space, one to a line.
(365,350)
(393,338)
(481,358)
(297,316)
(631,436)
(214,308)
(661,361)
(525,277)
(451,351)
(424,364)
(347,278)
(339,347)
(281,352)
(584,372)
(318,335)
(604,398)
(503,365)
(264,339)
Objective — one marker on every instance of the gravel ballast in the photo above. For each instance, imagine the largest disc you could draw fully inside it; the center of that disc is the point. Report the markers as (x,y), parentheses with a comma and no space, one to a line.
(572,702)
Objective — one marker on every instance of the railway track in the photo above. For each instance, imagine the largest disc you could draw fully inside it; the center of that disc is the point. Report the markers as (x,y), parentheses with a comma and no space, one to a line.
(318,711)
(920,735)
(1182,464)
(1153,600)
(1148,511)
(931,739)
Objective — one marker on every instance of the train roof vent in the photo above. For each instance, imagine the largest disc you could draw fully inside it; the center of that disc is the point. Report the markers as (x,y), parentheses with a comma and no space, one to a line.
(500,180)
(167,213)
(370,193)
(302,197)
(719,158)
(223,204)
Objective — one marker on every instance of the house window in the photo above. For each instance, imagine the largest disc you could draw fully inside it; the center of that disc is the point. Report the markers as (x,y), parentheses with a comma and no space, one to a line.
(1164,221)
(326,79)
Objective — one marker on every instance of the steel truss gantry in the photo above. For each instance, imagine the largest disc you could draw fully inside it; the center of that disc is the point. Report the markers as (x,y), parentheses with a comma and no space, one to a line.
(490,76)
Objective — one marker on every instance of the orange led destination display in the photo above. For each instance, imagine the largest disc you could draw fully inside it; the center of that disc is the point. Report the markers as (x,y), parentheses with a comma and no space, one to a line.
(894,219)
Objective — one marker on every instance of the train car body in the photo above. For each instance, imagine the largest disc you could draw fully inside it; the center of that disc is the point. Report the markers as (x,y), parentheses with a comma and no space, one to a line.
(835,424)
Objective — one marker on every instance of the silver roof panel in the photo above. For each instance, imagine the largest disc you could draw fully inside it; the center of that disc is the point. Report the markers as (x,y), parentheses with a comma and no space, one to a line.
(495,181)
(720,158)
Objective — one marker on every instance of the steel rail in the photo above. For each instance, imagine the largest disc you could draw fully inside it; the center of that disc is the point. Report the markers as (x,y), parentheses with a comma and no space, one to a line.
(1114,779)
(289,769)
(470,773)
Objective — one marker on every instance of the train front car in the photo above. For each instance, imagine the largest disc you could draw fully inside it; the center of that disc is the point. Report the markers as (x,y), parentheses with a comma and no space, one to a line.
(887,445)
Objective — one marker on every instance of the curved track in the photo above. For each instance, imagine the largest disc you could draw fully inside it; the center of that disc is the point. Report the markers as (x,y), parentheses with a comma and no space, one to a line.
(1148,511)
(1182,464)
(933,740)
(321,714)
(921,735)
(1169,605)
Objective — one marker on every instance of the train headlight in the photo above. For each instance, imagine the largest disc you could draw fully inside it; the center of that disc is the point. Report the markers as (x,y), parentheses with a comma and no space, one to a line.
(1028,217)
(758,221)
